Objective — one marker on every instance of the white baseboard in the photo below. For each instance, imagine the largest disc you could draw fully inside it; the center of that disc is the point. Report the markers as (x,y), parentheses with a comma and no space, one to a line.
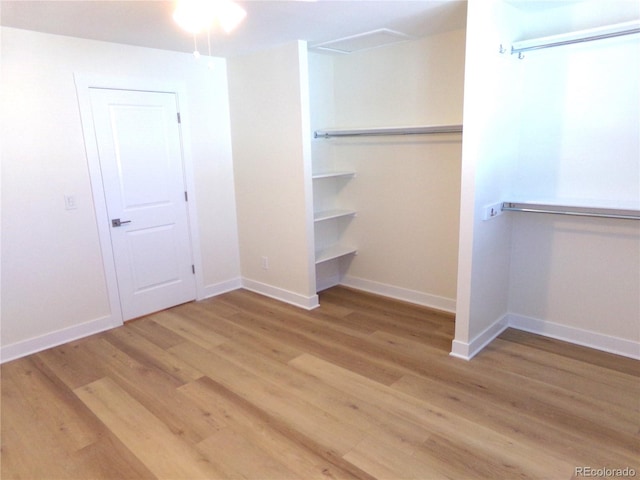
(467,351)
(215,289)
(599,341)
(75,332)
(419,298)
(53,339)
(292,298)
(578,336)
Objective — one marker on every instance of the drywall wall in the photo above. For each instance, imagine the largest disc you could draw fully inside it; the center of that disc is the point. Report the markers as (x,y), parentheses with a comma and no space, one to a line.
(559,125)
(561,16)
(407,189)
(53,285)
(409,83)
(269,101)
(580,143)
(580,115)
(489,147)
(577,279)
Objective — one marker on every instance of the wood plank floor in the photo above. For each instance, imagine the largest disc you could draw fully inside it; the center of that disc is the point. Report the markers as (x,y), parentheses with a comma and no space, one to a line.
(243,387)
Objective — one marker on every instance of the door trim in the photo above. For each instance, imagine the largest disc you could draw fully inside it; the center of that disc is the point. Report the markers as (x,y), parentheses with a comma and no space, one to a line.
(83,83)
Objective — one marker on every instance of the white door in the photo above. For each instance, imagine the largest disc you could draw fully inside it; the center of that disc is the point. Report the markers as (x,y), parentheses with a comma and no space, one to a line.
(139,147)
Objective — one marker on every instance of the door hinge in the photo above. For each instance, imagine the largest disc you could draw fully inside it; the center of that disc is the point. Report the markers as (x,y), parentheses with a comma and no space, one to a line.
(193,269)
(179,119)
(186,197)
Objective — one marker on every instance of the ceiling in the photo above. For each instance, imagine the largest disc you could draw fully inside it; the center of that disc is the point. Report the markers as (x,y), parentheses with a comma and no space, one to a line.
(148,23)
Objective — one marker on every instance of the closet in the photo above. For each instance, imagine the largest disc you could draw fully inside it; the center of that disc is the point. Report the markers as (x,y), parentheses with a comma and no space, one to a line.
(429,218)
(550,238)
(386,150)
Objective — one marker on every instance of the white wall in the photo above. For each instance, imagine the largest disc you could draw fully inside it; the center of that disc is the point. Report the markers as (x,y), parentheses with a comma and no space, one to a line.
(407,189)
(580,143)
(580,105)
(559,125)
(272,160)
(489,147)
(53,285)
(410,83)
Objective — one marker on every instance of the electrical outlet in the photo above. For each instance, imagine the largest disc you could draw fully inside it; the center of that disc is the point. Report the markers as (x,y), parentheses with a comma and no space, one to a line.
(492,211)
(265,263)
(70,202)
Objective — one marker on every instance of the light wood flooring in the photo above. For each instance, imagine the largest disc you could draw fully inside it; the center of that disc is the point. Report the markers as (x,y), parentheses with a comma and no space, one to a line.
(243,387)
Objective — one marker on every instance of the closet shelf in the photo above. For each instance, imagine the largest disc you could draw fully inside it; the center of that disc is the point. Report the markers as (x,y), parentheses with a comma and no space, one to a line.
(377,131)
(599,33)
(579,210)
(333,174)
(329,214)
(333,252)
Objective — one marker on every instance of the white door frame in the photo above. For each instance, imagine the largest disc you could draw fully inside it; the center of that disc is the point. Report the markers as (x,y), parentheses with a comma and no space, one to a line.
(83,83)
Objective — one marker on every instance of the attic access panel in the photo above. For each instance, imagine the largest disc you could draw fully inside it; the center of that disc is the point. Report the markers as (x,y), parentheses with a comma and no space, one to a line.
(363,41)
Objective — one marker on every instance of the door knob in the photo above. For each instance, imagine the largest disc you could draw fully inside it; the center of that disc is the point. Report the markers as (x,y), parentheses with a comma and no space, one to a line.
(116,222)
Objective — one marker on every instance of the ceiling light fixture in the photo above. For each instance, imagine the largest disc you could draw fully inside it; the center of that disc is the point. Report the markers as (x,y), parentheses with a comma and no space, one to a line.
(196,16)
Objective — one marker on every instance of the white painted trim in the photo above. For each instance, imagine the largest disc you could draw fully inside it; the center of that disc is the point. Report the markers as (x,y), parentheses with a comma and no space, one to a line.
(467,351)
(83,83)
(190,185)
(292,298)
(419,298)
(307,163)
(220,288)
(75,332)
(53,339)
(578,336)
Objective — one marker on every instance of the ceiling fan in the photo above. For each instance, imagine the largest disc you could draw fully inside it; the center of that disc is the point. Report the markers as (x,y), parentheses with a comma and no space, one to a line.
(197,16)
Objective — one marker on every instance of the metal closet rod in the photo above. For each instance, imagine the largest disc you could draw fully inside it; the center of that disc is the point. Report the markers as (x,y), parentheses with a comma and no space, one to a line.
(572,210)
(612,31)
(367,132)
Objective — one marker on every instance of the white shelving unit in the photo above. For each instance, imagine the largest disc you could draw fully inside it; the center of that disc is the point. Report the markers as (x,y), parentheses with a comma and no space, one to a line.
(333,174)
(329,217)
(333,252)
(331,214)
